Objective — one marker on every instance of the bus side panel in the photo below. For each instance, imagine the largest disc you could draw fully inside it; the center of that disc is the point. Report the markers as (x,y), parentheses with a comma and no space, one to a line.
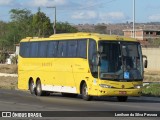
(23,73)
(81,73)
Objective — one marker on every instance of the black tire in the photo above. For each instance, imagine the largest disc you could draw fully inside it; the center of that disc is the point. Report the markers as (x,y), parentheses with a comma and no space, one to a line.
(31,87)
(39,91)
(84,92)
(69,95)
(122,98)
(46,93)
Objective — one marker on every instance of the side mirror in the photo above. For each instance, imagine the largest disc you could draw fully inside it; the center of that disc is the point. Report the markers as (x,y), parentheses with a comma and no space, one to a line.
(145,61)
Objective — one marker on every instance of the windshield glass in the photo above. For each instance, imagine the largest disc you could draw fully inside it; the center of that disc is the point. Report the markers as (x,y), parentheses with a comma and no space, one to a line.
(120,61)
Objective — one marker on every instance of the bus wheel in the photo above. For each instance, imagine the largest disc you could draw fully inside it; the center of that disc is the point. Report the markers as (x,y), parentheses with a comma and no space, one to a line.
(39,91)
(122,98)
(85,95)
(31,87)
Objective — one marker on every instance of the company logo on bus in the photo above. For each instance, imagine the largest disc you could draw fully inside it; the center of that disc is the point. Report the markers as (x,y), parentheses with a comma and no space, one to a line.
(123,86)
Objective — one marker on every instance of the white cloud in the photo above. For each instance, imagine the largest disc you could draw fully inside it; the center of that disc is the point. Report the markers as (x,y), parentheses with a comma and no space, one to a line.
(112,17)
(5,2)
(94,17)
(154,18)
(86,15)
(44,3)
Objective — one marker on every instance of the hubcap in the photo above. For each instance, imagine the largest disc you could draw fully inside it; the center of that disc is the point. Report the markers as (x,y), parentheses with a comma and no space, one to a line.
(38,88)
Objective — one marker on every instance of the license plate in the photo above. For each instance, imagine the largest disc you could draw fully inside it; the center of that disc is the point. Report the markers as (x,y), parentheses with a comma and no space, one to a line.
(122,92)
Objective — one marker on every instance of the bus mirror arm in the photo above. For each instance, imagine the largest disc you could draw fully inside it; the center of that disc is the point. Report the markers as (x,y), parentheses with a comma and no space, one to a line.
(145,61)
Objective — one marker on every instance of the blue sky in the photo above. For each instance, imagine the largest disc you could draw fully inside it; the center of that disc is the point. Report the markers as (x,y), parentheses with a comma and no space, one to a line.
(88,11)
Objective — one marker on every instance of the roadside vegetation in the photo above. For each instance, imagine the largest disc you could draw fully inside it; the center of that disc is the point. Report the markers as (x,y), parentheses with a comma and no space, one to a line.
(24,24)
(152,89)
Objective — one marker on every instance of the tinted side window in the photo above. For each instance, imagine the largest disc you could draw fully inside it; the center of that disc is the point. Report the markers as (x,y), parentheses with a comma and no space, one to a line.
(33,49)
(24,49)
(42,49)
(62,49)
(52,48)
(72,48)
(82,48)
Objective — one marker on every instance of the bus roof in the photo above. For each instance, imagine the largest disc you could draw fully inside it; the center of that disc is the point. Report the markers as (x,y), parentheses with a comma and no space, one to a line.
(79,35)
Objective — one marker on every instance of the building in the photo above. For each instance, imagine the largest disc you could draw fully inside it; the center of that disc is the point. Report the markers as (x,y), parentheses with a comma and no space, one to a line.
(17,49)
(142,34)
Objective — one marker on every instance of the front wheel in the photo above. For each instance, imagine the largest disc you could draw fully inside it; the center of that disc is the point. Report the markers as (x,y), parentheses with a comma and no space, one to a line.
(122,98)
(85,95)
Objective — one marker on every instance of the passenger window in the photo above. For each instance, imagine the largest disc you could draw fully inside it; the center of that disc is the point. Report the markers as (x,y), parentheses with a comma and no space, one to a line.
(34,49)
(24,49)
(42,52)
(72,48)
(62,49)
(52,49)
(82,49)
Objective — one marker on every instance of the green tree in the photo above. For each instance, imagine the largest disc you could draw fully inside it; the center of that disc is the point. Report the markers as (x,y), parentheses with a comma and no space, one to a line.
(62,27)
(3,33)
(20,25)
(25,24)
(41,24)
(21,20)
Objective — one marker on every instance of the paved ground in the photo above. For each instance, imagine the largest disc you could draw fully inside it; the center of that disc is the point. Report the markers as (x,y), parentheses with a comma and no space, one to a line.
(23,101)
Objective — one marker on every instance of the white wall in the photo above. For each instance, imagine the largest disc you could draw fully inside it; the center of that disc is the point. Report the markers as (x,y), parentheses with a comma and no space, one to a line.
(153,55)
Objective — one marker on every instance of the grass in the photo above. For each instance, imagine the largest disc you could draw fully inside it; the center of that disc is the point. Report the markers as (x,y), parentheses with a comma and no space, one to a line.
(152,89)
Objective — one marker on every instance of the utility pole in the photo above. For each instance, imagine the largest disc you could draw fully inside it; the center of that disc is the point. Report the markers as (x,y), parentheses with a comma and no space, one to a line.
(133,18)
(54,25)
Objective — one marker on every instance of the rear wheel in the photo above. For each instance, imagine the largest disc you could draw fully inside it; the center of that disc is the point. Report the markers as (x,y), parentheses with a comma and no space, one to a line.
(85,95)
(39,91)
(122,98)
(31,87)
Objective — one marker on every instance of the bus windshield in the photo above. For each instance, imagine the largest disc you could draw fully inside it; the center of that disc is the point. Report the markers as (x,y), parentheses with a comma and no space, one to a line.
(121,61)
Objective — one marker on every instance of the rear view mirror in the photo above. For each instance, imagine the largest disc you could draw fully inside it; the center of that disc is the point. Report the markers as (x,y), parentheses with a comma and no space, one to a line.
(145,64)
(145,61)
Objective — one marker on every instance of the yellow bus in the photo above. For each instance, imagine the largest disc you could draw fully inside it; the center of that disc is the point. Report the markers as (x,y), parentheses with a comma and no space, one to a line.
(89,64)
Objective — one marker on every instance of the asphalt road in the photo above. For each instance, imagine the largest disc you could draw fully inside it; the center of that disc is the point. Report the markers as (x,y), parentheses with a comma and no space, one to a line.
(15,100)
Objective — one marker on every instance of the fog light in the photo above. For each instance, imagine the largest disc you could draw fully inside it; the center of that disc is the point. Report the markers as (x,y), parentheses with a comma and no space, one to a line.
(138,86)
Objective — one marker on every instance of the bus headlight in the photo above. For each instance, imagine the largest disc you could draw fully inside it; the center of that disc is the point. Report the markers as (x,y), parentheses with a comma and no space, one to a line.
(105,86)
(138,86)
